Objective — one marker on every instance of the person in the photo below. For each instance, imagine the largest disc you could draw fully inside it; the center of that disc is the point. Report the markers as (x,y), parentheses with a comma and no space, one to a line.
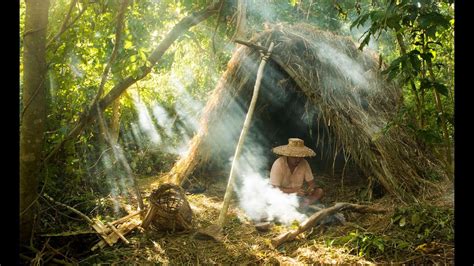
(291,173)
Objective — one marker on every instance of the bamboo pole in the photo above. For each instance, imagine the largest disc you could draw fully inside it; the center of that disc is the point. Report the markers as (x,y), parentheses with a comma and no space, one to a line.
(243,133)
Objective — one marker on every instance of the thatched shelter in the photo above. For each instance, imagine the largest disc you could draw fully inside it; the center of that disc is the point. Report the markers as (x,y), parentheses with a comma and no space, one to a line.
(319,87)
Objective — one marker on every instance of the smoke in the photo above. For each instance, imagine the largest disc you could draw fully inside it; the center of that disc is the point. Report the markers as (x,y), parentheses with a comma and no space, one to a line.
(162,118)
(155,124)
(74,66)
(52,85)
(341,61)
(187,107)
(260,200)
(263,10)
(144,119)
(257,197)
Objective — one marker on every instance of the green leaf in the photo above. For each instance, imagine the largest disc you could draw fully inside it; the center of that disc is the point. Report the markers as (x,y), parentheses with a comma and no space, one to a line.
(411,12)
(396,218)
(402,244)
(415,61)
(433,19)
(432,42)
(425,84)
(380,245)
(431,32)
(429,135)
(441,88)
(365,42)
(128,44)
(415,218)
(394,22)
(427,56)
(360,20)
(402,222)
(376,15)
(142,55)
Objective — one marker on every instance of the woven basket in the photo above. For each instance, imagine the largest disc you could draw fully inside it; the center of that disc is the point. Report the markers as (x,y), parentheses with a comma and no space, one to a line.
(169,210)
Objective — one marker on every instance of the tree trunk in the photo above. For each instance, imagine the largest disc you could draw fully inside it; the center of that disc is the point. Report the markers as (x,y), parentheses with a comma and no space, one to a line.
(115,123)
(241,23)
(419,107)
(441,114)
(444,126)
(33,116)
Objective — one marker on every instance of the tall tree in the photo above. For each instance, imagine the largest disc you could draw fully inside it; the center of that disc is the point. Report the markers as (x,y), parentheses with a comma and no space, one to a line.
(33,115)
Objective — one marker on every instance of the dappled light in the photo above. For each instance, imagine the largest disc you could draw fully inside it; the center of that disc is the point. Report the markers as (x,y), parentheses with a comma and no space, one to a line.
(144,120)
(147,131)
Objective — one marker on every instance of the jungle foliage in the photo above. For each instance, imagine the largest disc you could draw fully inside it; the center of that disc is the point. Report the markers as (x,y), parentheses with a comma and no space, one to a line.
(157,115)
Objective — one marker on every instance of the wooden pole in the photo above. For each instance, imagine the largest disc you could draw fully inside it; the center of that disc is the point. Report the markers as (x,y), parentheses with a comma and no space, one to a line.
(243,133)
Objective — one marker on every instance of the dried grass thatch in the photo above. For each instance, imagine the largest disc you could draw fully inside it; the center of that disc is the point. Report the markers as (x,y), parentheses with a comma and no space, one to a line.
(357,107)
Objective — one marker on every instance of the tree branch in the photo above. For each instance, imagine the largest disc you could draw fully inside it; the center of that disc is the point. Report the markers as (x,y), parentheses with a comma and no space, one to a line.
(252,45)
(66,26)
(85,217)
(66,20)
(118,39)
(217,26)
(90,114)
(117,151)
(241,22)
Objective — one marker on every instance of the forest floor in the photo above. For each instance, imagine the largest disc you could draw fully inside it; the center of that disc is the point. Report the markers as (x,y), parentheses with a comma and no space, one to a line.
(364,238)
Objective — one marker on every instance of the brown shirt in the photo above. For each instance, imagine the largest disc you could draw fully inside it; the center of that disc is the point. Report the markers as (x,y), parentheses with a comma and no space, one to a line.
(281,176)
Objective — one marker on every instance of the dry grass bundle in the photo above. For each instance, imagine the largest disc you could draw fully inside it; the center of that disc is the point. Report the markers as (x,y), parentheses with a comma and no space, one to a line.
(357,107)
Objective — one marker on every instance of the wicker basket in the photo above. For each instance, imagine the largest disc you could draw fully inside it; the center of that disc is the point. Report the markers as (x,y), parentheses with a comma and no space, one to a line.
(169,210)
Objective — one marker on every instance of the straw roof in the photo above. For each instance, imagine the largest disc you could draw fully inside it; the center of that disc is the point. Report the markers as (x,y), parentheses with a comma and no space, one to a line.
(357,106)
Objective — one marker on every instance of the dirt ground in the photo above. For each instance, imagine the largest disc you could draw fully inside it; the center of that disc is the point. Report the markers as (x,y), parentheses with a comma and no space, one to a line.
(243,244)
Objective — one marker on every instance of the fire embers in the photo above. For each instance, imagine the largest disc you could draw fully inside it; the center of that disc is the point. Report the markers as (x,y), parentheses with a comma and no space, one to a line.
(169,210)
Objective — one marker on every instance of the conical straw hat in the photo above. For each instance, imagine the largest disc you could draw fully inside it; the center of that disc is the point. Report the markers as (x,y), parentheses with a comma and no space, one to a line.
(294,148)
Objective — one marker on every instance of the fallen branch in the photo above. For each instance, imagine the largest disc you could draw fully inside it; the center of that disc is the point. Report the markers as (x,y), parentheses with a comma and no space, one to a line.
(85,217)
(72,233)
(318,216)
(108,232)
